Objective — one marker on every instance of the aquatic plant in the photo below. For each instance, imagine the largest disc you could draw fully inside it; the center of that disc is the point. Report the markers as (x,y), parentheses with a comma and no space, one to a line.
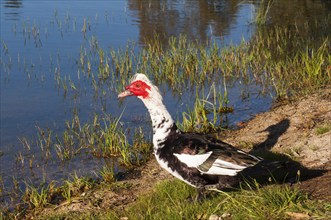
(292,70)
(107,174)
(207,113)
(103,137)
(268,58)
(36,197)
(261,16)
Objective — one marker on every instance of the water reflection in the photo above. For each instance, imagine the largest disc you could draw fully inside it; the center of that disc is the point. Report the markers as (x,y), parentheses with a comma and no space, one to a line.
(197,19)
(310,19)
(299,12)
(13,9)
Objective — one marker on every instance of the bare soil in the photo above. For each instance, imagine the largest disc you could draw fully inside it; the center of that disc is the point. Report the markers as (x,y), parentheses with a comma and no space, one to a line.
(289,128)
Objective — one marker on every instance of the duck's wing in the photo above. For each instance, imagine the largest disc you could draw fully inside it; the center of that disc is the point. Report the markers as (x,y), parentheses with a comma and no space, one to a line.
(211,156)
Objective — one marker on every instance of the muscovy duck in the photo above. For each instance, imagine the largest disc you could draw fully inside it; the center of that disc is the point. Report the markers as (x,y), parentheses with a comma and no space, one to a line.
(197,159)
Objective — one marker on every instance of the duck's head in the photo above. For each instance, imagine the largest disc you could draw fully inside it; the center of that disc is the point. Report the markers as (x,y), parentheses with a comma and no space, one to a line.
(141,87)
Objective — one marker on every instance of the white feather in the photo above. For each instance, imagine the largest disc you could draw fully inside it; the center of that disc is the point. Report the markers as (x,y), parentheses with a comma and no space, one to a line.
(221,167)
(193,160)
(221,171)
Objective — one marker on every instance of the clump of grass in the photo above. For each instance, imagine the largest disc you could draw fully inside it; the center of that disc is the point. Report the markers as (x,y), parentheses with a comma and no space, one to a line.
(141,147)
(36,197)
(107,174)
(2,186)
(261,16)
(207,113)
(246,145)
(75,186)
(322,129)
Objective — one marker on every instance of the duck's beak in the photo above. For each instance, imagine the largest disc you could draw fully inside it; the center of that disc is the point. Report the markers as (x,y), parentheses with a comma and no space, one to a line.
(124,94)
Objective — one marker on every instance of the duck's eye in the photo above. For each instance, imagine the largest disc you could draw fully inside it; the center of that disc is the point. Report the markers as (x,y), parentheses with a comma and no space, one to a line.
(138,85)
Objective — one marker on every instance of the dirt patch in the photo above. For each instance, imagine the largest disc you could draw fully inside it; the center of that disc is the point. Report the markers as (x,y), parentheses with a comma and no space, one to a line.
(290,129)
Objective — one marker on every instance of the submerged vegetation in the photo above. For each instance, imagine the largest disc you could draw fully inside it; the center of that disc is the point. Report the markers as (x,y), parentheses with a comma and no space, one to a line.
(101,138)
(282,61)
(183,65)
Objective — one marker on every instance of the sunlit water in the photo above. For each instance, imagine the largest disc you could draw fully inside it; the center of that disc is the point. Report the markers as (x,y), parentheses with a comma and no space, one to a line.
(42,38)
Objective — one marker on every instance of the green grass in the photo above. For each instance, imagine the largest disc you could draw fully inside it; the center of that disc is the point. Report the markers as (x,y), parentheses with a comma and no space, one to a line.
(278,58)
(107,174)
(170,201)
(207,113)
(261,16)
(36,196)
(102,137)
(322,129)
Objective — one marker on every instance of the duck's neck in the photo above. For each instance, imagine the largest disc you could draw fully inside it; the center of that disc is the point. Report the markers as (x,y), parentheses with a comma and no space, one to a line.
(163,124)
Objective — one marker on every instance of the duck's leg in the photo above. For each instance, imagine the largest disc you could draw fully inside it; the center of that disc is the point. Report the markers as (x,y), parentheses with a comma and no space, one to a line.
(224,182)
(201,194)
(202,191)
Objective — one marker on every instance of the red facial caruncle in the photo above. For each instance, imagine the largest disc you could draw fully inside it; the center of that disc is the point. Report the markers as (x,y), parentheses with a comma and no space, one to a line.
(137,88)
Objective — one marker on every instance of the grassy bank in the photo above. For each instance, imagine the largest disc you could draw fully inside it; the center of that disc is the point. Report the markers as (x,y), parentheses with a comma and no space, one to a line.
(171,200)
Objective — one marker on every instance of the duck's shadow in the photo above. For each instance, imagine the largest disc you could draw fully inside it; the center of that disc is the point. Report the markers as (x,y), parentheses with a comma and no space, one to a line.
(275,131)
(286,170)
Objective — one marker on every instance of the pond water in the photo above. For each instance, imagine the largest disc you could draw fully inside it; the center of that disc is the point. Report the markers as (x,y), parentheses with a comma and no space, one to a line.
(40,39)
